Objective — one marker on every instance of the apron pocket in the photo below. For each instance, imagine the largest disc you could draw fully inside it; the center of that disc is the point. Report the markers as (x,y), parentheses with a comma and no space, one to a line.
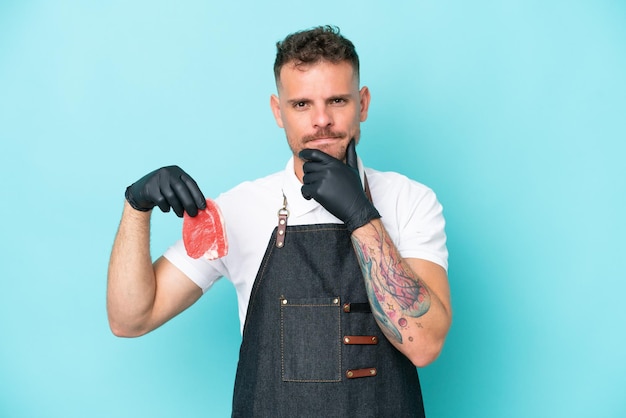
(310,339)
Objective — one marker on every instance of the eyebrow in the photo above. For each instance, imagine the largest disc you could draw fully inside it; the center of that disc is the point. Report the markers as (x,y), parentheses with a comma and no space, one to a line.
(341,96)
(294,101)
(304,100)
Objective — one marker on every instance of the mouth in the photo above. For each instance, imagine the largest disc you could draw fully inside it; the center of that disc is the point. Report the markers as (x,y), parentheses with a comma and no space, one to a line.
(323,139)
(324,144)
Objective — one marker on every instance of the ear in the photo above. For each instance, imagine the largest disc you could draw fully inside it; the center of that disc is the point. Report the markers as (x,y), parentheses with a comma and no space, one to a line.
(275,105)
(364,96)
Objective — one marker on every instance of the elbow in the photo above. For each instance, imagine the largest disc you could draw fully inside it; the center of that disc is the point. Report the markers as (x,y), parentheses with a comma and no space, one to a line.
(426,356)
(125,325)
(125,331)
(429,349)
(121,333)
(431,345)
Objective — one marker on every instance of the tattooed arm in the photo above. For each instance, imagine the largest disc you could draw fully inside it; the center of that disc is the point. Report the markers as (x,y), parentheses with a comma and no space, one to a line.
(410,298)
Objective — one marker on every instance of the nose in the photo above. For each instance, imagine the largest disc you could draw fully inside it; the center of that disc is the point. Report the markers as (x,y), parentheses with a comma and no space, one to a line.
(321,117)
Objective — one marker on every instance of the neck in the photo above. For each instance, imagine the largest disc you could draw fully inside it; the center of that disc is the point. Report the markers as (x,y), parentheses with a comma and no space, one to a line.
(297,168)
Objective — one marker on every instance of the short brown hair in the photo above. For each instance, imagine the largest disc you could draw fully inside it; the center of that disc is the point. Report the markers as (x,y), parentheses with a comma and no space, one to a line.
(322,43)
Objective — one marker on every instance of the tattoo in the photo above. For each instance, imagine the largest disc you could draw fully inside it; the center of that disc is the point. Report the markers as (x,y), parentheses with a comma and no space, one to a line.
(383,320)
(389,282)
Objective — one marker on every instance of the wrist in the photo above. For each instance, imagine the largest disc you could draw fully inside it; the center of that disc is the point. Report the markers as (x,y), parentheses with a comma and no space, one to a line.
(132,202)
(362,218)
(131,212)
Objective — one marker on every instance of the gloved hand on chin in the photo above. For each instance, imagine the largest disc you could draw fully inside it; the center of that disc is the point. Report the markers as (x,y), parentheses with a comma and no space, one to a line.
(337,186)
(167,187)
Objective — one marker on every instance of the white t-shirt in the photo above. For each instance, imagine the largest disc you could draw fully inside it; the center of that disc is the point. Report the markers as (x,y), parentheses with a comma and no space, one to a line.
(409,211)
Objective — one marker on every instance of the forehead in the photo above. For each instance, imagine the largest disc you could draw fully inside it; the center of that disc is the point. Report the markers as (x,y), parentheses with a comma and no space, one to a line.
(321,76)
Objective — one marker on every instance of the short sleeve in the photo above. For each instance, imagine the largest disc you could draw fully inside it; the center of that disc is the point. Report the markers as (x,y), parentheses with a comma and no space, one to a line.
(421,225)
(412,216)
(202,272)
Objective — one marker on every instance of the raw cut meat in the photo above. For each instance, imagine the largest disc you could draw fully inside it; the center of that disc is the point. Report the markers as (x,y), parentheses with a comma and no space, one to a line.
(204,234)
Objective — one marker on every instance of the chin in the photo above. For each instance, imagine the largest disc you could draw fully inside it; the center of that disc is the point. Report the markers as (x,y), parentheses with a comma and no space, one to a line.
(336,149)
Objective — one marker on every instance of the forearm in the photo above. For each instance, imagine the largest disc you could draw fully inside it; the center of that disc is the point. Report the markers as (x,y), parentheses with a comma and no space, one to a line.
(410,314)
(131,280)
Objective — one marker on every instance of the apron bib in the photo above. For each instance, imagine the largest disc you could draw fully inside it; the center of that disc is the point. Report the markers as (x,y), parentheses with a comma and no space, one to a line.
(311,347)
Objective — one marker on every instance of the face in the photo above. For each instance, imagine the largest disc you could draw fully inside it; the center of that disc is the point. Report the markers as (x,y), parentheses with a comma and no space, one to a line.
(320,106)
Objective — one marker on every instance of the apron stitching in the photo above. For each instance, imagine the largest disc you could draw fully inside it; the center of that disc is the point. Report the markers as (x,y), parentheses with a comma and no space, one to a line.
(338,349)
(255,288)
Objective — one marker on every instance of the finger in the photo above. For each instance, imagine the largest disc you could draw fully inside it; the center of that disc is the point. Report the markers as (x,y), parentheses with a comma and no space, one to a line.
(195,191)
(168,198)
(314,177)
(319,166)
(184,199)
(162,203)
(312,167)
(315,155)
(174,203)
(351,159)
(307,191)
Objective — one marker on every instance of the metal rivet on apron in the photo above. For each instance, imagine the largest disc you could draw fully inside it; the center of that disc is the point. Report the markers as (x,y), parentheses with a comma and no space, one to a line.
(360,339)
(358,373)
(336,301)
(284,301)
(283,214)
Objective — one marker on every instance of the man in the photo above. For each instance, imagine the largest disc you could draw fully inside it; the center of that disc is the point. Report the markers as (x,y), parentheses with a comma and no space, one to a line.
(350,293)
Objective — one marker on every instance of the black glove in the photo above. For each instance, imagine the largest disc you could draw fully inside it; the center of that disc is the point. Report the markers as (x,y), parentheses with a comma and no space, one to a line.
(166,187)
(337,186)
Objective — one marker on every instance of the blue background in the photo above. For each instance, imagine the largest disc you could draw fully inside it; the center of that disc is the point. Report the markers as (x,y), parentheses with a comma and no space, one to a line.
(513,111)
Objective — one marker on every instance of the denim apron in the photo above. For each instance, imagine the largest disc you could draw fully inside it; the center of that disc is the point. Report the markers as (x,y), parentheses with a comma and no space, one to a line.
(311,346)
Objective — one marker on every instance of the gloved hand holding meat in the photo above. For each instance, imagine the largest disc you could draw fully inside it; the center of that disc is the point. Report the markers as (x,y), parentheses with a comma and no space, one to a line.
(167,187)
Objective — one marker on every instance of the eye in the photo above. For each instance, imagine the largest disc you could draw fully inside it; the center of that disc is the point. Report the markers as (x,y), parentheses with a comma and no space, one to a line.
(338,101)
(299,105)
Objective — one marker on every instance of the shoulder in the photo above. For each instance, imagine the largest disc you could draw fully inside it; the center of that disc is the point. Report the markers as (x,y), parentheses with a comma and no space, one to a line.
(254,191)
(404,203)
(252,205)
(388,186)
(411,214)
